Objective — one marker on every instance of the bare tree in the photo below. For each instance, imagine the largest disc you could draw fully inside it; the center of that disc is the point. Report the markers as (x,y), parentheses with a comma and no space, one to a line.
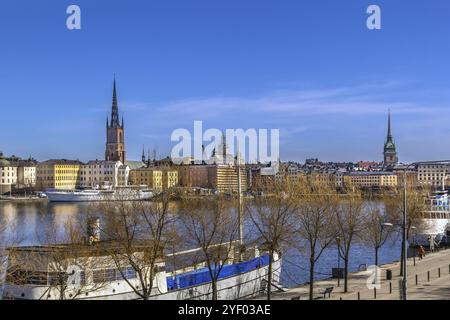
(8,238)
(211,226)
(61,263)
(139,230)
(349,221)
(415,206)
(315,223)
(374,232)
(273,218)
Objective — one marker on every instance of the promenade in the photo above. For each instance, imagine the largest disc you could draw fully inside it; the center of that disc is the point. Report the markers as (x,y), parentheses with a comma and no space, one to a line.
(428,279)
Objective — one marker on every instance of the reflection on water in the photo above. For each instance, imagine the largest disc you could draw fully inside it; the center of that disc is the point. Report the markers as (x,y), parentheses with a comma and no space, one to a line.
(33,220)
(30,222)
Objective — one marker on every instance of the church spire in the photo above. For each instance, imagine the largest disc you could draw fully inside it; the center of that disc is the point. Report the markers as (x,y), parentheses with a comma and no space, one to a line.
(389,135)
(390,150)
(115,108)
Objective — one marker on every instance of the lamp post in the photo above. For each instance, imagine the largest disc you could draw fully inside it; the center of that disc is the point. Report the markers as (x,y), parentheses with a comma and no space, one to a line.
(405,257)
(383,225)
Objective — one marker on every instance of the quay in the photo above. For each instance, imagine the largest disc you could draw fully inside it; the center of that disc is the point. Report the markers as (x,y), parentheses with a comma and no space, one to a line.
(429,279)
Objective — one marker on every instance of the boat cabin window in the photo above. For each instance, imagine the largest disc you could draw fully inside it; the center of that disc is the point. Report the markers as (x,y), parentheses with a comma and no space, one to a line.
(57,278)
(22,277)
(109,275)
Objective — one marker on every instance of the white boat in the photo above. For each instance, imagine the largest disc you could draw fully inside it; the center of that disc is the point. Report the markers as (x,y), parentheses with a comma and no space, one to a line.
(98,195)
(435,219)
(237,280)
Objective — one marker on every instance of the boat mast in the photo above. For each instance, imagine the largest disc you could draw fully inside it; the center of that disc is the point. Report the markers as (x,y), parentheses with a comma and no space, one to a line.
(241,223)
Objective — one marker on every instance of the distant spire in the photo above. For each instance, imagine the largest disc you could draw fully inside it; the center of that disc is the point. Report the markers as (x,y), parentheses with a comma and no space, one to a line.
(149,159)
(389,135)
(107,121)
(143,153)
(115,107)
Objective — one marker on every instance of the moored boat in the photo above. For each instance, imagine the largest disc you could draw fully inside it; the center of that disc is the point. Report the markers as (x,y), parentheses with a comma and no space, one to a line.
(435,219)
(128,194)
(43,278)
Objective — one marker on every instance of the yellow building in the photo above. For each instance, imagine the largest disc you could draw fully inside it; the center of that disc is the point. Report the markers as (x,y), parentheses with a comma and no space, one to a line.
(58,174)
(170,178)
(370,179)
(156,178)
(149,177)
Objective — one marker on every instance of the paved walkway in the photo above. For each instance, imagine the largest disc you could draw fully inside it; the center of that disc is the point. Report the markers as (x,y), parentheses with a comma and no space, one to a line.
(436,288)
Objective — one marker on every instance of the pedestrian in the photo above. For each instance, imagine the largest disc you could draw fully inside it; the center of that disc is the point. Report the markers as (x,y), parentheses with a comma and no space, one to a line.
(421,252)
(431,243)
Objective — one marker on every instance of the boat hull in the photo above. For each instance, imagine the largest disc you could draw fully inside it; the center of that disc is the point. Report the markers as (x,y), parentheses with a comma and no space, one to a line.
(241,286)
(80,196)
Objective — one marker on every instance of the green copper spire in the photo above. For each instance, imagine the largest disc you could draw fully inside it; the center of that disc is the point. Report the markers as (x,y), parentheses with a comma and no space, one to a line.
(390,150)
(389,136)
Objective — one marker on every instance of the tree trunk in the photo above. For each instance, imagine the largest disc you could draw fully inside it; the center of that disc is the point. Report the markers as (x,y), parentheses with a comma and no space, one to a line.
(311,278)
(346,273)
(401,257)
(269,276)
(214,289)
(376,256)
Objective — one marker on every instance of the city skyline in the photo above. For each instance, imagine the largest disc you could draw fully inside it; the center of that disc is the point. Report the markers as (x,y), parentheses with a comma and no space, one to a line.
(328,94)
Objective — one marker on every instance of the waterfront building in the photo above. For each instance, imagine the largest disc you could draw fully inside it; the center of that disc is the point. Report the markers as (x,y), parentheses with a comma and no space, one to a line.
(26,174)
(390,150)
(170,178)
(220,177)
(115,139)
(183,174)
(123,175)
(224,178)
(100,174)
(367,166)
(8,175)
(367,179)
(156,178)
(198,177)
(433,173)
(409,172)
(60,174)
(150,177)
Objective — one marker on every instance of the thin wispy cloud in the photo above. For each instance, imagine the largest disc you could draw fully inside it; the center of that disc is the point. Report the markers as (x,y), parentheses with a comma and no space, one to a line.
(350,101)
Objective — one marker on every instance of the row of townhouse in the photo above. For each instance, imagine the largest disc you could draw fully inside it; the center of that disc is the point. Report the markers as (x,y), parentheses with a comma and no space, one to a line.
(16,173)
(63,174)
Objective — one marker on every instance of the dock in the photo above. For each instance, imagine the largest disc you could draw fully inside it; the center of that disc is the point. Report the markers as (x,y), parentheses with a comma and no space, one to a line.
(428,279)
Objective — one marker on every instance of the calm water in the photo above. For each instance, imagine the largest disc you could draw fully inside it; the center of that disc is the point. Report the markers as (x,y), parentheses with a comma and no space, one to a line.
(33,220)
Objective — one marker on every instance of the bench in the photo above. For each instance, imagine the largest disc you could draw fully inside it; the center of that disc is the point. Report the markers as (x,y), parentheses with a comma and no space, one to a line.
(327,291)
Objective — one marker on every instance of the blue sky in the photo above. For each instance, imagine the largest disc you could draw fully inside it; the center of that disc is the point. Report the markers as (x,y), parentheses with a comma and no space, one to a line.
(310,68)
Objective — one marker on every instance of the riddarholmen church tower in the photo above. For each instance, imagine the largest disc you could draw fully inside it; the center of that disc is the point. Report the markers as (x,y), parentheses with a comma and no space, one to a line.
(390,151)
(115,140)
